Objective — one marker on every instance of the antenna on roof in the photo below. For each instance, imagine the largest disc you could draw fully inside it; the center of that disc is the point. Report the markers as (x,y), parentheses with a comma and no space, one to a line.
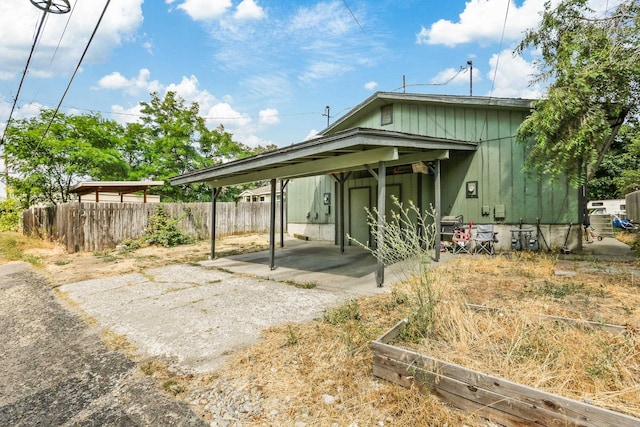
(326,113)
(470,66)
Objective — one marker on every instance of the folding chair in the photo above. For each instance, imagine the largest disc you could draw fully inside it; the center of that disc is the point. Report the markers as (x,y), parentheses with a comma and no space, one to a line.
(462,240)
(485,239)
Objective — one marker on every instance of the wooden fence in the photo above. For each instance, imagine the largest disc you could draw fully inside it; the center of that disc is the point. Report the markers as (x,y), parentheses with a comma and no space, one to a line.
(633,206)
(90,226)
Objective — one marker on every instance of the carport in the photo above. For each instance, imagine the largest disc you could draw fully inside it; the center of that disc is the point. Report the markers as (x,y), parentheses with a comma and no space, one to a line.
(338,154)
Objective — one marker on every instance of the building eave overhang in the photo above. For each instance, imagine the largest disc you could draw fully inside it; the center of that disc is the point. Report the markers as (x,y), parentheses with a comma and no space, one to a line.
(349,150)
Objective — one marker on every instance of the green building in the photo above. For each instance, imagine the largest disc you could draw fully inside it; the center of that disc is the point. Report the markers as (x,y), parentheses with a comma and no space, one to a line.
(455,153)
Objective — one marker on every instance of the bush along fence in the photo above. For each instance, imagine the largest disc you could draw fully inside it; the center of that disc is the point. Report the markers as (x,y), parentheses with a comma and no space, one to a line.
(90,226)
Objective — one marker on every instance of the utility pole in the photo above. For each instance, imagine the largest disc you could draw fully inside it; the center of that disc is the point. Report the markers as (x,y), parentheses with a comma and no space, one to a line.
(470,64)
(327,111)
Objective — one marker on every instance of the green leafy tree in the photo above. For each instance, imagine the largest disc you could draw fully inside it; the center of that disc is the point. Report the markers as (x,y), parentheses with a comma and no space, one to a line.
(10,215)
(593,66)
(43,167)
(172,140)
(619,172)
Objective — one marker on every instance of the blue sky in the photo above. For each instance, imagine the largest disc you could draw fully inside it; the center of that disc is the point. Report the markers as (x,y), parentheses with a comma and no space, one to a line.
(265,69)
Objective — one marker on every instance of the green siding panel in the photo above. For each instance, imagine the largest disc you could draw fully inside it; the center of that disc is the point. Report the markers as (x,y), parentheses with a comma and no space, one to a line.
(496,165)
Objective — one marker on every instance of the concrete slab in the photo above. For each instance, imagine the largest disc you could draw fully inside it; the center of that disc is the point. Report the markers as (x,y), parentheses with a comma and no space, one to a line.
(608,248)
(193,314)
(317,262)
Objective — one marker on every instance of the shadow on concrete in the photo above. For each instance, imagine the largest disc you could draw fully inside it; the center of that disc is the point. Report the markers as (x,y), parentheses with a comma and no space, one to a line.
(315,262)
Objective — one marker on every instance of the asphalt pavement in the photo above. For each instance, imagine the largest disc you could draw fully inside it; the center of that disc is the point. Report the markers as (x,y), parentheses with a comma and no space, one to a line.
(55,370)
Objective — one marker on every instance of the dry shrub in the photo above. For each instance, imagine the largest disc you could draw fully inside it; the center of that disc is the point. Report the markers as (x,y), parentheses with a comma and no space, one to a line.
(297,366)
(334,361)
(518,344)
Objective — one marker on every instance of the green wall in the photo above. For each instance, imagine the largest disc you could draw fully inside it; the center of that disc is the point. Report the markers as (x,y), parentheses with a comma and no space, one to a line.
(496,165)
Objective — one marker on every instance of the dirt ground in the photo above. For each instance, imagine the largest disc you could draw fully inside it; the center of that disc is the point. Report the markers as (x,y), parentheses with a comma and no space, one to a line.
(61,267)
(320,373)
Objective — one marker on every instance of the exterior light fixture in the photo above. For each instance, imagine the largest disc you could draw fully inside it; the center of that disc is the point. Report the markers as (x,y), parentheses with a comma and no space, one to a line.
(472,189)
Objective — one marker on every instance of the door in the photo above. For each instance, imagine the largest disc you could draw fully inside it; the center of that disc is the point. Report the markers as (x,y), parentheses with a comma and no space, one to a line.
(359,199)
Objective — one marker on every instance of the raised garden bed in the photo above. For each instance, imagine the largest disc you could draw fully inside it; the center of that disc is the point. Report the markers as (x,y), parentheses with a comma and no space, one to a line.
(491,397)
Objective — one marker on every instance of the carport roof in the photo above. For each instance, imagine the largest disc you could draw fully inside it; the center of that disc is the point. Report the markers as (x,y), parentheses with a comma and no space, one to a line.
(120,187)
(349,150)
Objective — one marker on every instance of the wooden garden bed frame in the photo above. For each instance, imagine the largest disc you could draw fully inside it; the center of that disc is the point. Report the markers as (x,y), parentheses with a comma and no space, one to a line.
(490,397)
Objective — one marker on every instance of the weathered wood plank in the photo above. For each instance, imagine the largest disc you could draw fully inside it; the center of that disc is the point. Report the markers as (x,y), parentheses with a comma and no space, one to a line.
(535,406)
(91,226)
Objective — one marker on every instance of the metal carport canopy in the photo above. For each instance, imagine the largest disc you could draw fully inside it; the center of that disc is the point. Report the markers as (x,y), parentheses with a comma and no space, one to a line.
(350,150)
(345,151)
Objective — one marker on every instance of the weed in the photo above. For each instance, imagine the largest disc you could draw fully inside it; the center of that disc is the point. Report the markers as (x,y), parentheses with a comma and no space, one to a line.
(151,367)
(13,246)
(118,342)
(343,313)
(173,386)
(292,337)
(557,291)
(302,285)
(628,310)
(62,262)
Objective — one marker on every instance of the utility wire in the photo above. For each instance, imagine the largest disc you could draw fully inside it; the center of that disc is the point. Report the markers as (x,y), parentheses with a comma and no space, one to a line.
(354,16)
(434,84)
(64,31)
(504,27)
(95,30)
(24,74)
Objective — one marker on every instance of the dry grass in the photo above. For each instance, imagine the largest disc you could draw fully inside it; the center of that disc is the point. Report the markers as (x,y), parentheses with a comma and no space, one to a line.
(298,366)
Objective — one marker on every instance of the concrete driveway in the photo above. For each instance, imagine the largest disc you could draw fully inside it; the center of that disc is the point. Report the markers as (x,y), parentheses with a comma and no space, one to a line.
(196,315)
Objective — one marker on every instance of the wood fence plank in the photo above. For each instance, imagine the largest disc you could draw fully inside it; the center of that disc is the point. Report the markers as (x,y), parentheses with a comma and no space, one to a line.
(91,226)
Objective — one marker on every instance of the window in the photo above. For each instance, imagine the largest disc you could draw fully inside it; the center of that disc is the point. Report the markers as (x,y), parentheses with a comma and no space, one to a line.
(262,198)
(386,115)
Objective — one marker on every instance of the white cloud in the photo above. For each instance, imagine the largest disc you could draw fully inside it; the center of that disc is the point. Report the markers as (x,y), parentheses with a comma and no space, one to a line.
(321,70)
(248,10)
(126,115)
(482,22)
(512,77)
(371,85)
(326,18)
(455,77)
(313,134)
(133,86)
(269,116)
(60,45)
(205,10)
(223,113)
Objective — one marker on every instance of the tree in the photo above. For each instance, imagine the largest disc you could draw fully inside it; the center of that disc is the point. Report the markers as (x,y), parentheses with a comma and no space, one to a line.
(593,66)
(43,167)
(172,140)
(619,172)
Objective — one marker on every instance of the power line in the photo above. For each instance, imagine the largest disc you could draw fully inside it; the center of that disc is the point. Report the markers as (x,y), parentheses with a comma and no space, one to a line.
(24,74)
(504,27)
(354,16)
(64,31)
(95,30)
